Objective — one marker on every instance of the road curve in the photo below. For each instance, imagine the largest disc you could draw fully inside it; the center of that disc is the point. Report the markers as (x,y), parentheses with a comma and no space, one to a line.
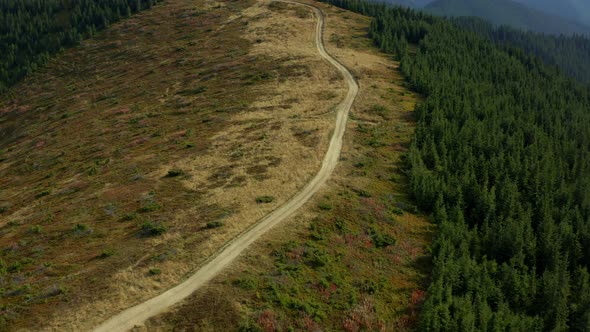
(138,314)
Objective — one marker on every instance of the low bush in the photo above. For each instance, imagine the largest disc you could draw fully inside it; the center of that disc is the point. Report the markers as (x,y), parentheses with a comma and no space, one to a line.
(174,173)
(149,207)
(381,240)
(150,228)
(129,216)
(264,199)
(106,253)
(214,224)
(82,229)
(35,229)
(43,193)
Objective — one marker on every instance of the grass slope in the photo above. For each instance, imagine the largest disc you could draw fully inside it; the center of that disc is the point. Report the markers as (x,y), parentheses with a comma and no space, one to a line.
(356,258)
(140,152)
(507,12)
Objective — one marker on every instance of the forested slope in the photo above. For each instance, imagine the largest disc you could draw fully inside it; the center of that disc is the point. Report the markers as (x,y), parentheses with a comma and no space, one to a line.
(570,53)
(501,158)
(508,12)
(31,31)
(578,10)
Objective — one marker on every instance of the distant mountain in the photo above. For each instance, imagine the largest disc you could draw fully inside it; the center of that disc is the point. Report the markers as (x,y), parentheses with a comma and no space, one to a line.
(578,10)
(404,3)
(507,12)
(422,3)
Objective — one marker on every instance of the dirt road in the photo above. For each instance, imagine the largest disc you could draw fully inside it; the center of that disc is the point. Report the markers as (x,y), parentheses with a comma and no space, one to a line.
(227,254)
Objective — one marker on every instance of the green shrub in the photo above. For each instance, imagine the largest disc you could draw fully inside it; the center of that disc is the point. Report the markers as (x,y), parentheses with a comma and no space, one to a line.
(379,109)
(174,173)
(325,206)
(317,258)
(106,253)
(82,229)
(397,211)
(35,229)
(214,224)
(362,193)
(194,91)
(155,271)
(12,223)
(129,216)
(43,193)
(368,286)
(150,207)
(150,228)
(264,199)
(381,240)
(244,283)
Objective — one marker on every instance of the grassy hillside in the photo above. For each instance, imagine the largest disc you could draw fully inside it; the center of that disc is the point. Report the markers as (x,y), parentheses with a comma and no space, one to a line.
(508,12)
(356,257)
(129,159)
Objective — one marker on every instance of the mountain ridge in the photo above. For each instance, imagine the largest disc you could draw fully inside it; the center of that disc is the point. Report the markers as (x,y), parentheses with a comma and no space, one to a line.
(507,12)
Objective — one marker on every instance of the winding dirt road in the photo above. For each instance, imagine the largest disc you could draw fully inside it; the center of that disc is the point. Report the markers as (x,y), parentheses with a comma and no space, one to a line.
(228,253)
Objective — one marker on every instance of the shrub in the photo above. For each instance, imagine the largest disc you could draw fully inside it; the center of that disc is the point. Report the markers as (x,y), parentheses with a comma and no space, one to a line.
(43,193)
(106,253)
(82,229)
(379,109)
(264,199)
(194,91)
(174,173)
(149,207)
(35,229)
(155,271)
(362,193)
(214,224)
(150,228)
(368,286)
(397,211)
(325,206)
(129,216)
(317,258)
(244,283)
(381,240)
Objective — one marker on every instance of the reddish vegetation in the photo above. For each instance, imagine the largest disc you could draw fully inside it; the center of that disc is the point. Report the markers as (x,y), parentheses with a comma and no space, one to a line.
(268,321)
(363,318)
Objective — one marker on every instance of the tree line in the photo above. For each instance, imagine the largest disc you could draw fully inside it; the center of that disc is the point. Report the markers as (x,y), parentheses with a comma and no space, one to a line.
(32,31)
(501,160)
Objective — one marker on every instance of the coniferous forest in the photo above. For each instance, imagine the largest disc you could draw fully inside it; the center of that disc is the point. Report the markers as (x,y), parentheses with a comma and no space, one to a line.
(33,30)
(570,53)
(501,159)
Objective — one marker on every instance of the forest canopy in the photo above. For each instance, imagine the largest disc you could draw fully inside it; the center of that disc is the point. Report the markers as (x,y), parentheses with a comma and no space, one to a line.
(31,31)
(570,53)
(501,160)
